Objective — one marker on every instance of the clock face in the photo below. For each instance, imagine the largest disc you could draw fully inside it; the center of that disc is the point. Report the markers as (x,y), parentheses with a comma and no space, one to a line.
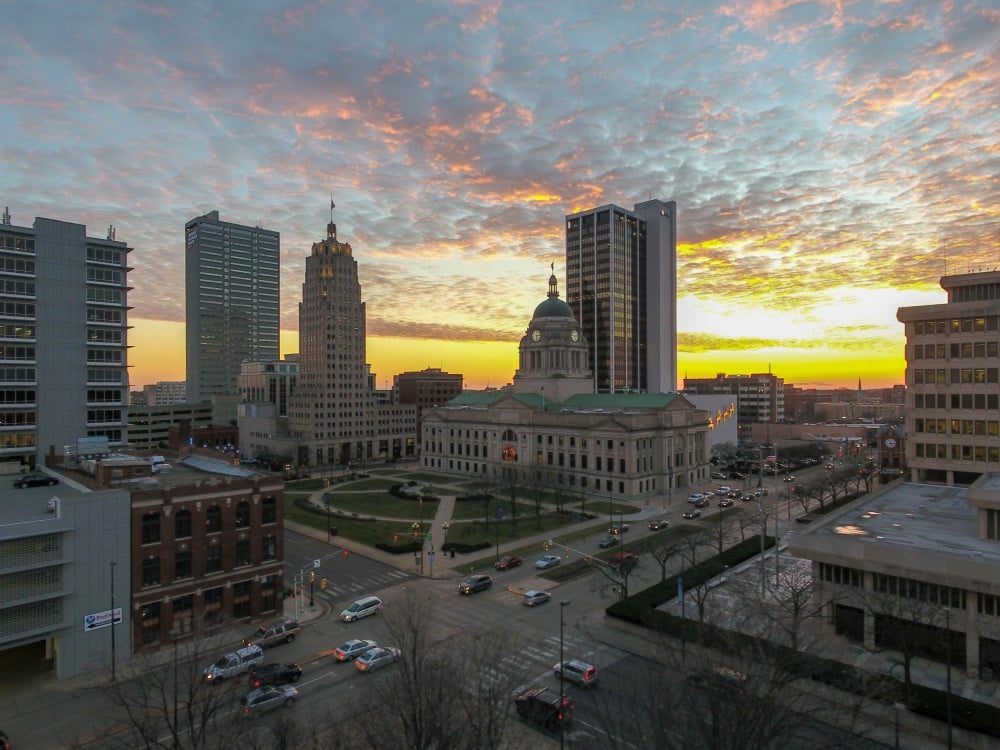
(575,335)
(536,335)
(890,443)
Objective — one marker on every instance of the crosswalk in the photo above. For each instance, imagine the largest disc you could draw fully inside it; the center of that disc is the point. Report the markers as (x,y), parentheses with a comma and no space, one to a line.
(338,591)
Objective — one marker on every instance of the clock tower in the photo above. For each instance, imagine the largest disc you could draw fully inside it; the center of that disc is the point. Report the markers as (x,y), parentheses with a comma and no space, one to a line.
(553,354)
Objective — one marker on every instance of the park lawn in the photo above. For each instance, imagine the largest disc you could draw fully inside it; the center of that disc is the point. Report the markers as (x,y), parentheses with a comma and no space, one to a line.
(360,530)
(374,504)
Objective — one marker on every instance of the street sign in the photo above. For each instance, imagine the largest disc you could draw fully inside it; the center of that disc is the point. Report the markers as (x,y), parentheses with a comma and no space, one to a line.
(316,563)
(499,512)
(427,538)
(103,619)
(430,557)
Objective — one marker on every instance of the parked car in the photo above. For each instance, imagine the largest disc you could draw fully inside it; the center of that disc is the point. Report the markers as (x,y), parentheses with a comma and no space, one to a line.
(690,514)
(577,671)
(35,480)
(273,634)
(544,706)
(264,699)
(547,561)
(507,562)
(608,541)
(369,605)
(275,674)
(718,475)
(658,523)
(234,664)
(472,584)
(352,649)
(618,528)
(532,597)
(376,658)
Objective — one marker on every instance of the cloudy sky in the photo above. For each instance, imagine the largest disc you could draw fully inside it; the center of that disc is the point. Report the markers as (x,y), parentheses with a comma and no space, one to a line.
(830,160)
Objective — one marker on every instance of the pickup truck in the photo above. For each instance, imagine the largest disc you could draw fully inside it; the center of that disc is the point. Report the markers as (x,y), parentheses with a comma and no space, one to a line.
(273,634)
(233,664)
(544,706)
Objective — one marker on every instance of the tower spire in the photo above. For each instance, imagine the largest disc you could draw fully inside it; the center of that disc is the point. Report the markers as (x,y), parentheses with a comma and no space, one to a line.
(553,284)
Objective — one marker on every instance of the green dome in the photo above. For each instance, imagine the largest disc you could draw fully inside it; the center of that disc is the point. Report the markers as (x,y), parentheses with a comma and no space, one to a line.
(553,307)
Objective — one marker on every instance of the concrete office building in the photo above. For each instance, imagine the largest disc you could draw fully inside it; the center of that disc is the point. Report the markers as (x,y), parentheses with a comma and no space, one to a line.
(335,417)
(551,430)
(621,271)
(953,381)
(60,571)
(63,328)
(269,382)
(232,282)
(760,397)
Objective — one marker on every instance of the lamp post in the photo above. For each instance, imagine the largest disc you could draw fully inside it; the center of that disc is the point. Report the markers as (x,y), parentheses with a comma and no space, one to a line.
(417,559)
(562,665)
(445,525)
(312,587)
(113,620)
(326,504)
(947,625)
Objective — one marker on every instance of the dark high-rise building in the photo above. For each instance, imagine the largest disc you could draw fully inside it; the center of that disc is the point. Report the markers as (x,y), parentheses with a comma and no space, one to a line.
(621,270)
(232,302)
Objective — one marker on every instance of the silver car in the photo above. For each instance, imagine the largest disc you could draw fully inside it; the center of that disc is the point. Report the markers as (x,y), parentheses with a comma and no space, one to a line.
(376,657)
(535,596)
(548,561)
(264,699)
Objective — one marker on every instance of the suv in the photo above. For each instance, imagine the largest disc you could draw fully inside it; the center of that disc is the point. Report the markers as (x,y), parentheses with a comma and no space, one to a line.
(577,671)
(472,584)
(544,706)
(272,635)
(233,664)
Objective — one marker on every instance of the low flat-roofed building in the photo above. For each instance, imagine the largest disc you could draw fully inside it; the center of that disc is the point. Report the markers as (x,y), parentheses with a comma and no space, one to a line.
(916,568)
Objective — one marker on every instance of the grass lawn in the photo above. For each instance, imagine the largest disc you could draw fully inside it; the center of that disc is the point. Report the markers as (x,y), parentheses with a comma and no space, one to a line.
(367,504)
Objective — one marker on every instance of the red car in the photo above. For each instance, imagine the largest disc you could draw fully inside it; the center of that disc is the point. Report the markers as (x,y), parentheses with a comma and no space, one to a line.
(507,562)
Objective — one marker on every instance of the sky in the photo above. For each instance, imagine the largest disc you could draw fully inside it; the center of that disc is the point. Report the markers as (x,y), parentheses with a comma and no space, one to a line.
(830,160)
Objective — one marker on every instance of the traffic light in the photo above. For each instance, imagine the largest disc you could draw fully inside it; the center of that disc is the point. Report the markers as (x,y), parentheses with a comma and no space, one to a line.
(395,538)
(322,585)
(346,553)
(312,576)
(545,545)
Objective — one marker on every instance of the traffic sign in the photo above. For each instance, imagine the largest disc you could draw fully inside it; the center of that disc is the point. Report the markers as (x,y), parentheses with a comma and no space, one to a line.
(499,512)
(427,538)
(316,563)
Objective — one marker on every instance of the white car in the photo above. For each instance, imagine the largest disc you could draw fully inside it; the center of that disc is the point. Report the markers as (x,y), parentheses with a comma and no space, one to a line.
(723,490)
(548,561)
(535,596)
(695,497)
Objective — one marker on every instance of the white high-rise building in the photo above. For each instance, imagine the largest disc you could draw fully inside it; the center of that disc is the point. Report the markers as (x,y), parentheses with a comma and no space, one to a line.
(63,339)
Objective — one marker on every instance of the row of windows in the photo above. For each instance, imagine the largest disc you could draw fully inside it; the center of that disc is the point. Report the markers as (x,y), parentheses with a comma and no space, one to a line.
(109,396)
(103,296)
(17,243)
(992,524)
(104,415)
(100,315)
(956,376)
(109,356)
(17,331)
(104,275)
(9,309)
(16,418)
(17,440)
(644,485)
(105,255)
(10,264)
(988,604)
(17,287)
(151,522)
(956,350)
(152,567)
(14,352)
(956,401)
(104,336)
(946,596)
(989,427)
(16,396)
(100,375)
(842,575)
(990,453)
(17,374)
(956,325)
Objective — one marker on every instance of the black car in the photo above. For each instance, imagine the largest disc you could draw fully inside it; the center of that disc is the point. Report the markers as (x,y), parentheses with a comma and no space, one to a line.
(4,742)
(34,480)
(275,674)
(472,584)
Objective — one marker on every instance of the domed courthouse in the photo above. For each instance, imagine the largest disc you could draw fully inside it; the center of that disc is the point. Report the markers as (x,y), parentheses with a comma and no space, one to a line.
(550,430)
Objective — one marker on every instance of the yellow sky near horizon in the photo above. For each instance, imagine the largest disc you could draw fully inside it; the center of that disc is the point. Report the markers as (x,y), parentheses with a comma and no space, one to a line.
(157,353)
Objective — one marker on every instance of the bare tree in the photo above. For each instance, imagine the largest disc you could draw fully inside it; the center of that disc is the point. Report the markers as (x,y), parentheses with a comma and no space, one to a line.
(667,548)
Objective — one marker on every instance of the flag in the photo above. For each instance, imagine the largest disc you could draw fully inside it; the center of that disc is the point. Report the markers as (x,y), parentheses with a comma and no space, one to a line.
(332,204)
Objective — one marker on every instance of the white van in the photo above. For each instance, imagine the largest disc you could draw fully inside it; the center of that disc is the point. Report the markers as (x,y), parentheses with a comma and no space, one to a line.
(361,608)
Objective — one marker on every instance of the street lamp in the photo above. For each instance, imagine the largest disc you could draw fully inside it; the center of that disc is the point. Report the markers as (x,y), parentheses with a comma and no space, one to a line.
(947,625)
(445,525)
(326,504)
(562,668)
(418,556)
(312,582)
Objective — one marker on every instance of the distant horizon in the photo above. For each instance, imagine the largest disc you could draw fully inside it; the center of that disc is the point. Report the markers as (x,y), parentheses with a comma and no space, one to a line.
(488,358)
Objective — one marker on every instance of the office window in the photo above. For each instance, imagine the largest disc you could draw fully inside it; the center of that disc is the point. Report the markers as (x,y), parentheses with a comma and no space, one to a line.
(182,564)
(213,559)
(213,519)
(151,571)
(269,510)
(150,528)
(182,524)
(242,552)
(243,515)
